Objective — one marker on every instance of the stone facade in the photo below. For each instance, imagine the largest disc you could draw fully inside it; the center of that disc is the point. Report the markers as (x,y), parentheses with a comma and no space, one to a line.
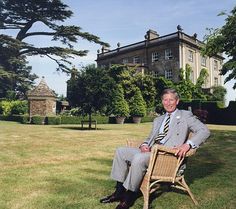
(42,100)
(165,56)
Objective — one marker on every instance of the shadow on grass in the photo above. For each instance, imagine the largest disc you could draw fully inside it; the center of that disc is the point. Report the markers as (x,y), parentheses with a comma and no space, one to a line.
(202,165)
(79,128)
(199,166)
(77,193)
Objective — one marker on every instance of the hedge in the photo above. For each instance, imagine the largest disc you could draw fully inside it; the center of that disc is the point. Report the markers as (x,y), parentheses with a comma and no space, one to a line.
(17,118)
(53,120)
(38,120)
(56,120)
(215,114)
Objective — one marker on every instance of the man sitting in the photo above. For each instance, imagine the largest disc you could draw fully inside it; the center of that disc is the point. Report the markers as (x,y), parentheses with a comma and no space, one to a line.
(171,130)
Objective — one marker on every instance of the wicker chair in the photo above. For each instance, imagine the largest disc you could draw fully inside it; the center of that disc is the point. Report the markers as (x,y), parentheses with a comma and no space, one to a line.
(163,167)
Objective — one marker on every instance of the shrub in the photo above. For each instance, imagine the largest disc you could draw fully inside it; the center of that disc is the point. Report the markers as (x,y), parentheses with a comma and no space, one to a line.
(201,114)
(70,120)
(53,120)
(19,107)
(119,106)
(16,107)
(6,107)
(25,119)
(37,119)
(137,104)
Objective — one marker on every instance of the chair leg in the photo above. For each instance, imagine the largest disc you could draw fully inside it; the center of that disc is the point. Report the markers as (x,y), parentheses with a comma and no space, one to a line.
(145,191)
(189,191)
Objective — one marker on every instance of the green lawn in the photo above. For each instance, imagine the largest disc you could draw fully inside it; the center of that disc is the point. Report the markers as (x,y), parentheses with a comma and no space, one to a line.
(55,167)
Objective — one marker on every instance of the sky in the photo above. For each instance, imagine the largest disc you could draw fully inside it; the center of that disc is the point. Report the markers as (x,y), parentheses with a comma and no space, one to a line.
(126,22)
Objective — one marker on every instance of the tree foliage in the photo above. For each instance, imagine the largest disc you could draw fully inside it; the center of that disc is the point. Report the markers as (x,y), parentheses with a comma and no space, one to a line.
(187,89)
(119,106)
(130,79)
(147,87)
(137,104)
(90,89)
(218,94)
(28,20)
(222,40)
(16,107)
(124,76)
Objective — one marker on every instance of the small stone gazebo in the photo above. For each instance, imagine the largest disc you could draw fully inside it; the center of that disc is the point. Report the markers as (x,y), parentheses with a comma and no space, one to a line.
(42,100)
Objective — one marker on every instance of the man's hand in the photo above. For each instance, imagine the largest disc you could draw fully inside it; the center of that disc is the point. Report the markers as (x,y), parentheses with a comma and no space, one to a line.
(145,148)
(182,150)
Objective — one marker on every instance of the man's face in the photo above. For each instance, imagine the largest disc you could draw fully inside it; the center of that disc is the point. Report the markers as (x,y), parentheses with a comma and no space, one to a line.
(169,102)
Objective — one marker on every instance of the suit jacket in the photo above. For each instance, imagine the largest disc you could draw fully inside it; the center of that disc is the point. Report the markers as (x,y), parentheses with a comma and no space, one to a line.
(181,125)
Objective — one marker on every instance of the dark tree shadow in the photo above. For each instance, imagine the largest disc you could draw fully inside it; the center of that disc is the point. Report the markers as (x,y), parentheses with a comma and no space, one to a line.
(79,128)
(203,164)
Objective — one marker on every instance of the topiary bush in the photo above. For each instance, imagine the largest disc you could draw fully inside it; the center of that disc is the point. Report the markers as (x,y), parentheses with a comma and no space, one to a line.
(137,104)
(119,105)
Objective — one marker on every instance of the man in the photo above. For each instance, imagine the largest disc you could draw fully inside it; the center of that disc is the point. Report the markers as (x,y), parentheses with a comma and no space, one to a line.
(170,129)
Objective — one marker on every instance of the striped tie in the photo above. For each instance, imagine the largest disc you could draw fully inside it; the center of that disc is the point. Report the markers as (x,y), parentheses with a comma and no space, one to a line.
(160,136)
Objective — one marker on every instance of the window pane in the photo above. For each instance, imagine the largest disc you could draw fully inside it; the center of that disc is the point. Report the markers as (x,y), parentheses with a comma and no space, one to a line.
(136,60)
(155,56)
(168,74)
(190,55)
(168,54)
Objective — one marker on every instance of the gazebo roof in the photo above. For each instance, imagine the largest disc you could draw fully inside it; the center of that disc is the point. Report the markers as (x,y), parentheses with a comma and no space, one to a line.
(42,90)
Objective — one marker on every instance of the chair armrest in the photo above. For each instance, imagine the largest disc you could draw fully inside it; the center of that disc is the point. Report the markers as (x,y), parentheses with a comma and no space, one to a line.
(173,151)
(137,143)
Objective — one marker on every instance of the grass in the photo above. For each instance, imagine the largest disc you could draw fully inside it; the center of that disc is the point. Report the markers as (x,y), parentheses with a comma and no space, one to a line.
(63,167)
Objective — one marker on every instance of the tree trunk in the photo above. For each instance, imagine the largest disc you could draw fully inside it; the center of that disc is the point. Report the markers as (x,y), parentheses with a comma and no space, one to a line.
(90,121)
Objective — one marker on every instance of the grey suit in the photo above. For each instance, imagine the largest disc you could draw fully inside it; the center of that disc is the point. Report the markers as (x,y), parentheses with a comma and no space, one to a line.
(182,123)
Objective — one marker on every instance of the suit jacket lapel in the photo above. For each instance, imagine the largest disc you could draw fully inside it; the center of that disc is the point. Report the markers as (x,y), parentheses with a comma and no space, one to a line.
(174,122)
(158,125)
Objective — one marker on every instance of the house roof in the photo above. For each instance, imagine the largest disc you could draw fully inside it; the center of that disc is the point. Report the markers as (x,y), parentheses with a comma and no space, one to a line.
(42,90)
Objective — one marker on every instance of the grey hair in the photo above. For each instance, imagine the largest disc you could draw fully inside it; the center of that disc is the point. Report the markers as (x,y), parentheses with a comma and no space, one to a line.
(170,91)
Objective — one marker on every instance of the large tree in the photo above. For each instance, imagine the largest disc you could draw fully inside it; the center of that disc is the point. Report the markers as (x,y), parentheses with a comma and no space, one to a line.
(130,79)
(90,89)
(223,40)
(21,19)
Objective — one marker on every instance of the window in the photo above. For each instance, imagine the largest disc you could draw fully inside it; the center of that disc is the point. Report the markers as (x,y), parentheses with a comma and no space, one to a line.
(168,74)
(155,56)
(136,60)
(203,61)
(125,61)
(155,74)
(216,83)
(215,66)
(168,54)
(190,55)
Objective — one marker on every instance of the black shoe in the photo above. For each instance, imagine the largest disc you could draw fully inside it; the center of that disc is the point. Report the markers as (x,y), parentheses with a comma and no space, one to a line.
(111,198)
(128,200)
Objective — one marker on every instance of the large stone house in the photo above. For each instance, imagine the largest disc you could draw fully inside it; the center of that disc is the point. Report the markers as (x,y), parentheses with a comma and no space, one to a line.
(165,56)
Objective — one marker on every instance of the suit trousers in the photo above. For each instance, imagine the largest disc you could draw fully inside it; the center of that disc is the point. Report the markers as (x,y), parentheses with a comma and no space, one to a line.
(131,175)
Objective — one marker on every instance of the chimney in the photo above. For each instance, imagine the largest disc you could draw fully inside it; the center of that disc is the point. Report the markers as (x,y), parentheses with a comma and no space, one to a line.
(151,34)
